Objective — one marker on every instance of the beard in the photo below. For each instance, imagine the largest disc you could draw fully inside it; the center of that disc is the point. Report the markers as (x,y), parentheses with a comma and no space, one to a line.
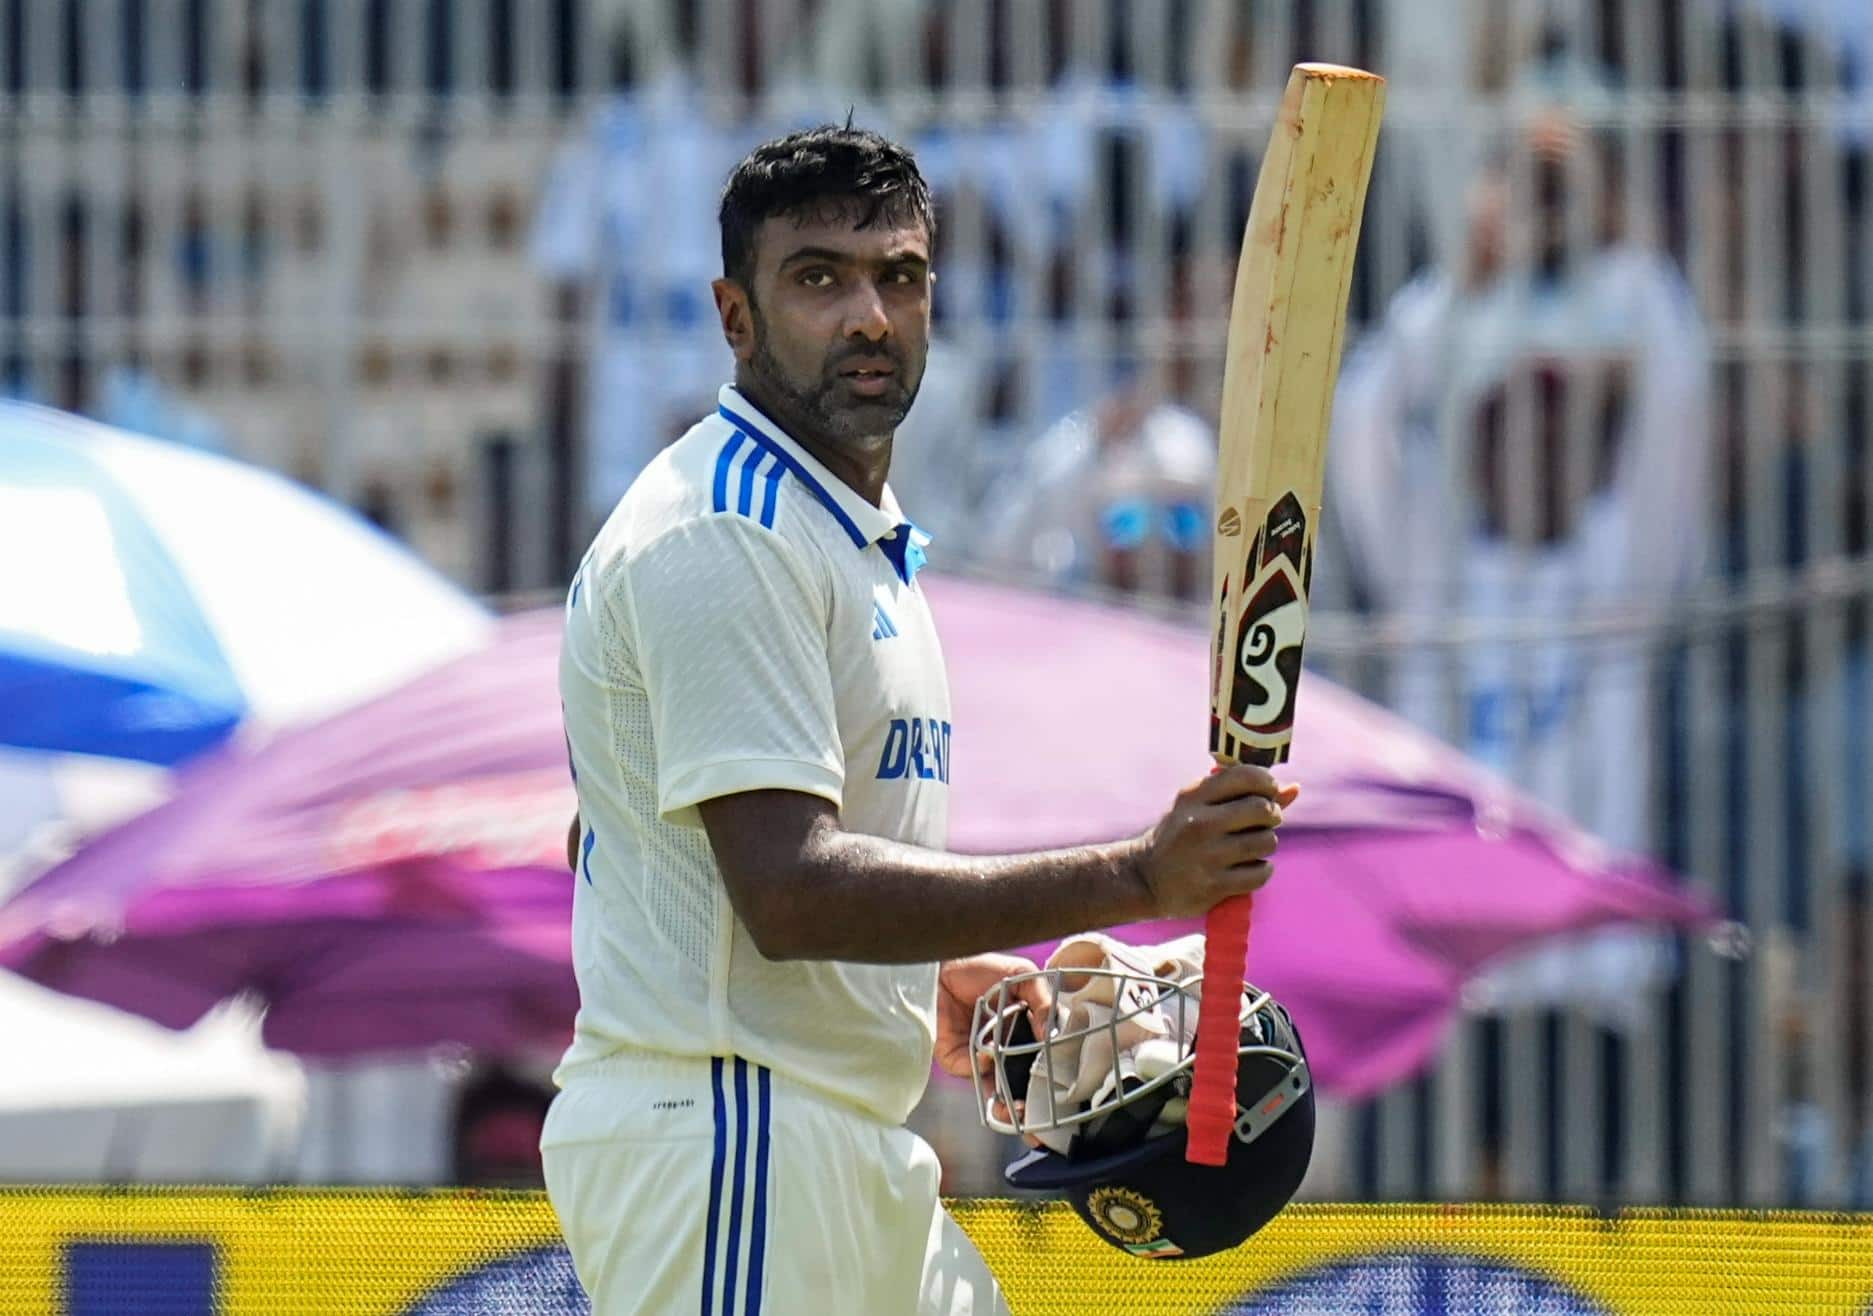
(822,406)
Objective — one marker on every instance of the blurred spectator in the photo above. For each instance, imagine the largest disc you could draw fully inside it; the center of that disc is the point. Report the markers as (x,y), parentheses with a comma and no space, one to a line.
(1524,439)
(1116,495)
(498,1118)
(1064,207)
(1120,159)
(627,224)
(1521,439)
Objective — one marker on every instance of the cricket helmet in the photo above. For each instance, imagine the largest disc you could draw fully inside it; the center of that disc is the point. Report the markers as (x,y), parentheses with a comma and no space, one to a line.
(1106,1090)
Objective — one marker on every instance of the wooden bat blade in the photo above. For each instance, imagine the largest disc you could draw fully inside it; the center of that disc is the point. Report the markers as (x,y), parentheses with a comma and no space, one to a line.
(1286,326)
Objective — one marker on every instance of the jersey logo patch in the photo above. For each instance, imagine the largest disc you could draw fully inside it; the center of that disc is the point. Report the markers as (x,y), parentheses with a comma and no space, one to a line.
(882,627)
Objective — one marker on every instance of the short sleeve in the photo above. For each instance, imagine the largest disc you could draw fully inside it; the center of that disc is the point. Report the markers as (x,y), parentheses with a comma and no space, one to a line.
(730,628)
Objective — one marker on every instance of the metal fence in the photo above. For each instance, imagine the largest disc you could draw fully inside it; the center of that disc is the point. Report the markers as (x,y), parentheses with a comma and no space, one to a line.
(415,251)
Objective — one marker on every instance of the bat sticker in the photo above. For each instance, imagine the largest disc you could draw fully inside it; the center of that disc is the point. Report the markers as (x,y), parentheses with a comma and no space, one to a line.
(1270,632)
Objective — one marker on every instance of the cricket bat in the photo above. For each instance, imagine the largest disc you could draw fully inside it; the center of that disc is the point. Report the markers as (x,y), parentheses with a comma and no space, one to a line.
(1286,324)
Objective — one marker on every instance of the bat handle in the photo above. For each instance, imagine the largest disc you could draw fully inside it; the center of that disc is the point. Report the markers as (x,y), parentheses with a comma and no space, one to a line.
(1212,1113)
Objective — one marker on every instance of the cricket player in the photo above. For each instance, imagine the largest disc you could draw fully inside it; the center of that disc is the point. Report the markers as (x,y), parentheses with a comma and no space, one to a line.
(769,938)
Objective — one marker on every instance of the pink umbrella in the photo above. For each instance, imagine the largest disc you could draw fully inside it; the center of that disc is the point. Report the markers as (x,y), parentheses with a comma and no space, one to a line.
(392,877)
(1403,868)
(395,876)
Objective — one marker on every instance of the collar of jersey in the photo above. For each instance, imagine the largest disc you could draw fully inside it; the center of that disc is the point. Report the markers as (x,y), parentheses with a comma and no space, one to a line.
(863,524)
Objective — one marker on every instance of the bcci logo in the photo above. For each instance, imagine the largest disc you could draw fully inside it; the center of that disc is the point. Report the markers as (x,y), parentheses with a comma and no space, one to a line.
(1133,1219)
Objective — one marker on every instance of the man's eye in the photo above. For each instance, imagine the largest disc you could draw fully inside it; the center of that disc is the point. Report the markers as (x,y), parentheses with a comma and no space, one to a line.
(817,278)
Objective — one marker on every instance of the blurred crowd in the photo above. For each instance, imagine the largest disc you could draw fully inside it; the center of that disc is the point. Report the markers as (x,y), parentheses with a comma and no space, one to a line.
(1599,497)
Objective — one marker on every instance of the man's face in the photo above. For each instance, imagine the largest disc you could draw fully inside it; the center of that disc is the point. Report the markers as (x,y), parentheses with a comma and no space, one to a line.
(839,322)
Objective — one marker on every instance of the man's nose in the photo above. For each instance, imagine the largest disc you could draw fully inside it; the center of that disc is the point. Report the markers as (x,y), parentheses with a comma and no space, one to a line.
(865,317)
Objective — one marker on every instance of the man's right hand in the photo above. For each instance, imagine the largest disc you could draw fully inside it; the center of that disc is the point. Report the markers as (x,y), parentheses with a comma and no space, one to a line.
(1216,841)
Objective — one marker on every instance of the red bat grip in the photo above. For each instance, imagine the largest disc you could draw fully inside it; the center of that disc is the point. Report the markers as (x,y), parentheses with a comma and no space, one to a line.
(1212,1114)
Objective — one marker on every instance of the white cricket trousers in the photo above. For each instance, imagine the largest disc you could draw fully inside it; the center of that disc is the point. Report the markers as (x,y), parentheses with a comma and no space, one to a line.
(718,1187)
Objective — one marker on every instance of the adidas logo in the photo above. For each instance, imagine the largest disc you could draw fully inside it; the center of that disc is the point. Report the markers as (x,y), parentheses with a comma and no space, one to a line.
(882,627)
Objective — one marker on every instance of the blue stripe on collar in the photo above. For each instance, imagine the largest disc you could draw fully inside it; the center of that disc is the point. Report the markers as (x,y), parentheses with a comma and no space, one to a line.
(800,473)
(904,547)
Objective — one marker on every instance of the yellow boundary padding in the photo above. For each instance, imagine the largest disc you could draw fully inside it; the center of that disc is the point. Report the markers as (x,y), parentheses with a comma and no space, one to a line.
(283,1252)
(1636,1262)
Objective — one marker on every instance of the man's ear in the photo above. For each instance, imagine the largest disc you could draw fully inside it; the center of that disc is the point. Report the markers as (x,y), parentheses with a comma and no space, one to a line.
(737,315)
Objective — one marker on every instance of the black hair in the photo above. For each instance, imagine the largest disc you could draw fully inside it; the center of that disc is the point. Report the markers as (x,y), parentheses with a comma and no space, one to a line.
(871,177)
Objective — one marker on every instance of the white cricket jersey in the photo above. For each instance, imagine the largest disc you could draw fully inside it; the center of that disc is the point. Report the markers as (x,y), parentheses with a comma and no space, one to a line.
(746,621)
